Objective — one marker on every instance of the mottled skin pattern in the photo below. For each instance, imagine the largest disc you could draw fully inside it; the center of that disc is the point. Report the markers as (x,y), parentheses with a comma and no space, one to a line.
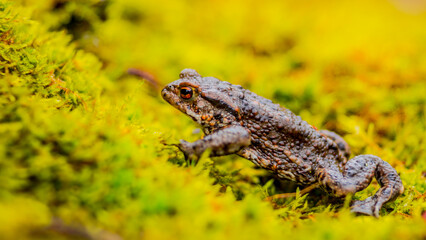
(238,121)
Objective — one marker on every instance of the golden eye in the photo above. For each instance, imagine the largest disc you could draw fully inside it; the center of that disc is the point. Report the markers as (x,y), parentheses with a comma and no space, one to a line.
(186,92)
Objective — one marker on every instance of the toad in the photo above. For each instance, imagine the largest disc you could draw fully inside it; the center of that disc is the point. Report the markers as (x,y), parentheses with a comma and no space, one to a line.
(237,121)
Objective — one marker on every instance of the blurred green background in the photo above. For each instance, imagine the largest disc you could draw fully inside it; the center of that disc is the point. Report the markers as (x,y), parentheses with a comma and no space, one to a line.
(85,151)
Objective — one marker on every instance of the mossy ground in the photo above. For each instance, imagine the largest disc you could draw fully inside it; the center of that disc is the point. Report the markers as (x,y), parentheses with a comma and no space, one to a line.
(85,147)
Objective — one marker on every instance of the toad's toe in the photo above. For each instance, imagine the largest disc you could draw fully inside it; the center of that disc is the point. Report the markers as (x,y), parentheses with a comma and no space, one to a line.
(365,207)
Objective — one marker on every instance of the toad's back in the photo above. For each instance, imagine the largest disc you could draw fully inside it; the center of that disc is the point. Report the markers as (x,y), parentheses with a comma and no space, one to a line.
(282,142)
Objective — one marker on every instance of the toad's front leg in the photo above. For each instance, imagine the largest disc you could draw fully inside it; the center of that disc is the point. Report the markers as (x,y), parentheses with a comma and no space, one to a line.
(224,141)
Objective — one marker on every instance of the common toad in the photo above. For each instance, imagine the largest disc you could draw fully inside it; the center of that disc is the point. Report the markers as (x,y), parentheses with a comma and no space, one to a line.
(238,121)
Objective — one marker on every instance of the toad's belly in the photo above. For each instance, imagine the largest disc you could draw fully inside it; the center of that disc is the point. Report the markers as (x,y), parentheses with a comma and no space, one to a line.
(297,171)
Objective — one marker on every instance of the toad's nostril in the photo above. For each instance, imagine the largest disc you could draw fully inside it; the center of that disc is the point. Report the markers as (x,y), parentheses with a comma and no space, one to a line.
(164,92)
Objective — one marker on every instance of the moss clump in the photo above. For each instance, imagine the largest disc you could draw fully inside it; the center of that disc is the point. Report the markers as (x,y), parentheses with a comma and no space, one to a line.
(81,142)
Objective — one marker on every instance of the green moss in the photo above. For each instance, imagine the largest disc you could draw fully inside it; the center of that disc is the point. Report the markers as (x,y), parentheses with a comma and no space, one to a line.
(81,142)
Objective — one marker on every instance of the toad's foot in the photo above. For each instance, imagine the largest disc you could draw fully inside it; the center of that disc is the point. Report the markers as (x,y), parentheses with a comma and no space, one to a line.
(190,152)
(365,207)
(372,205)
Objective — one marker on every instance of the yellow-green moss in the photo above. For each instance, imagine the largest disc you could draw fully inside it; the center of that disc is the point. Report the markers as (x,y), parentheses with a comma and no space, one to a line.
(81,141)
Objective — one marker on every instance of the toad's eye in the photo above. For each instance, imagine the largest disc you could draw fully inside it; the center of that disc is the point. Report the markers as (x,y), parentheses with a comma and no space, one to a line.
(186,92)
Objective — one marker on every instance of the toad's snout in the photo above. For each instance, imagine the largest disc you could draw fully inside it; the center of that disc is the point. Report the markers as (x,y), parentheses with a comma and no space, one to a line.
(167,91)
(164,92)
(169,94)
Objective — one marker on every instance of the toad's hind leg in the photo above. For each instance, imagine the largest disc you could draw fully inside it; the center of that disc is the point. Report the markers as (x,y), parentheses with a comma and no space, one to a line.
(357,175)
(341,143)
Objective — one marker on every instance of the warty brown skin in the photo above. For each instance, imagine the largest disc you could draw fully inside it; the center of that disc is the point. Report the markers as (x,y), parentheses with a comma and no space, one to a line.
(238,121)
